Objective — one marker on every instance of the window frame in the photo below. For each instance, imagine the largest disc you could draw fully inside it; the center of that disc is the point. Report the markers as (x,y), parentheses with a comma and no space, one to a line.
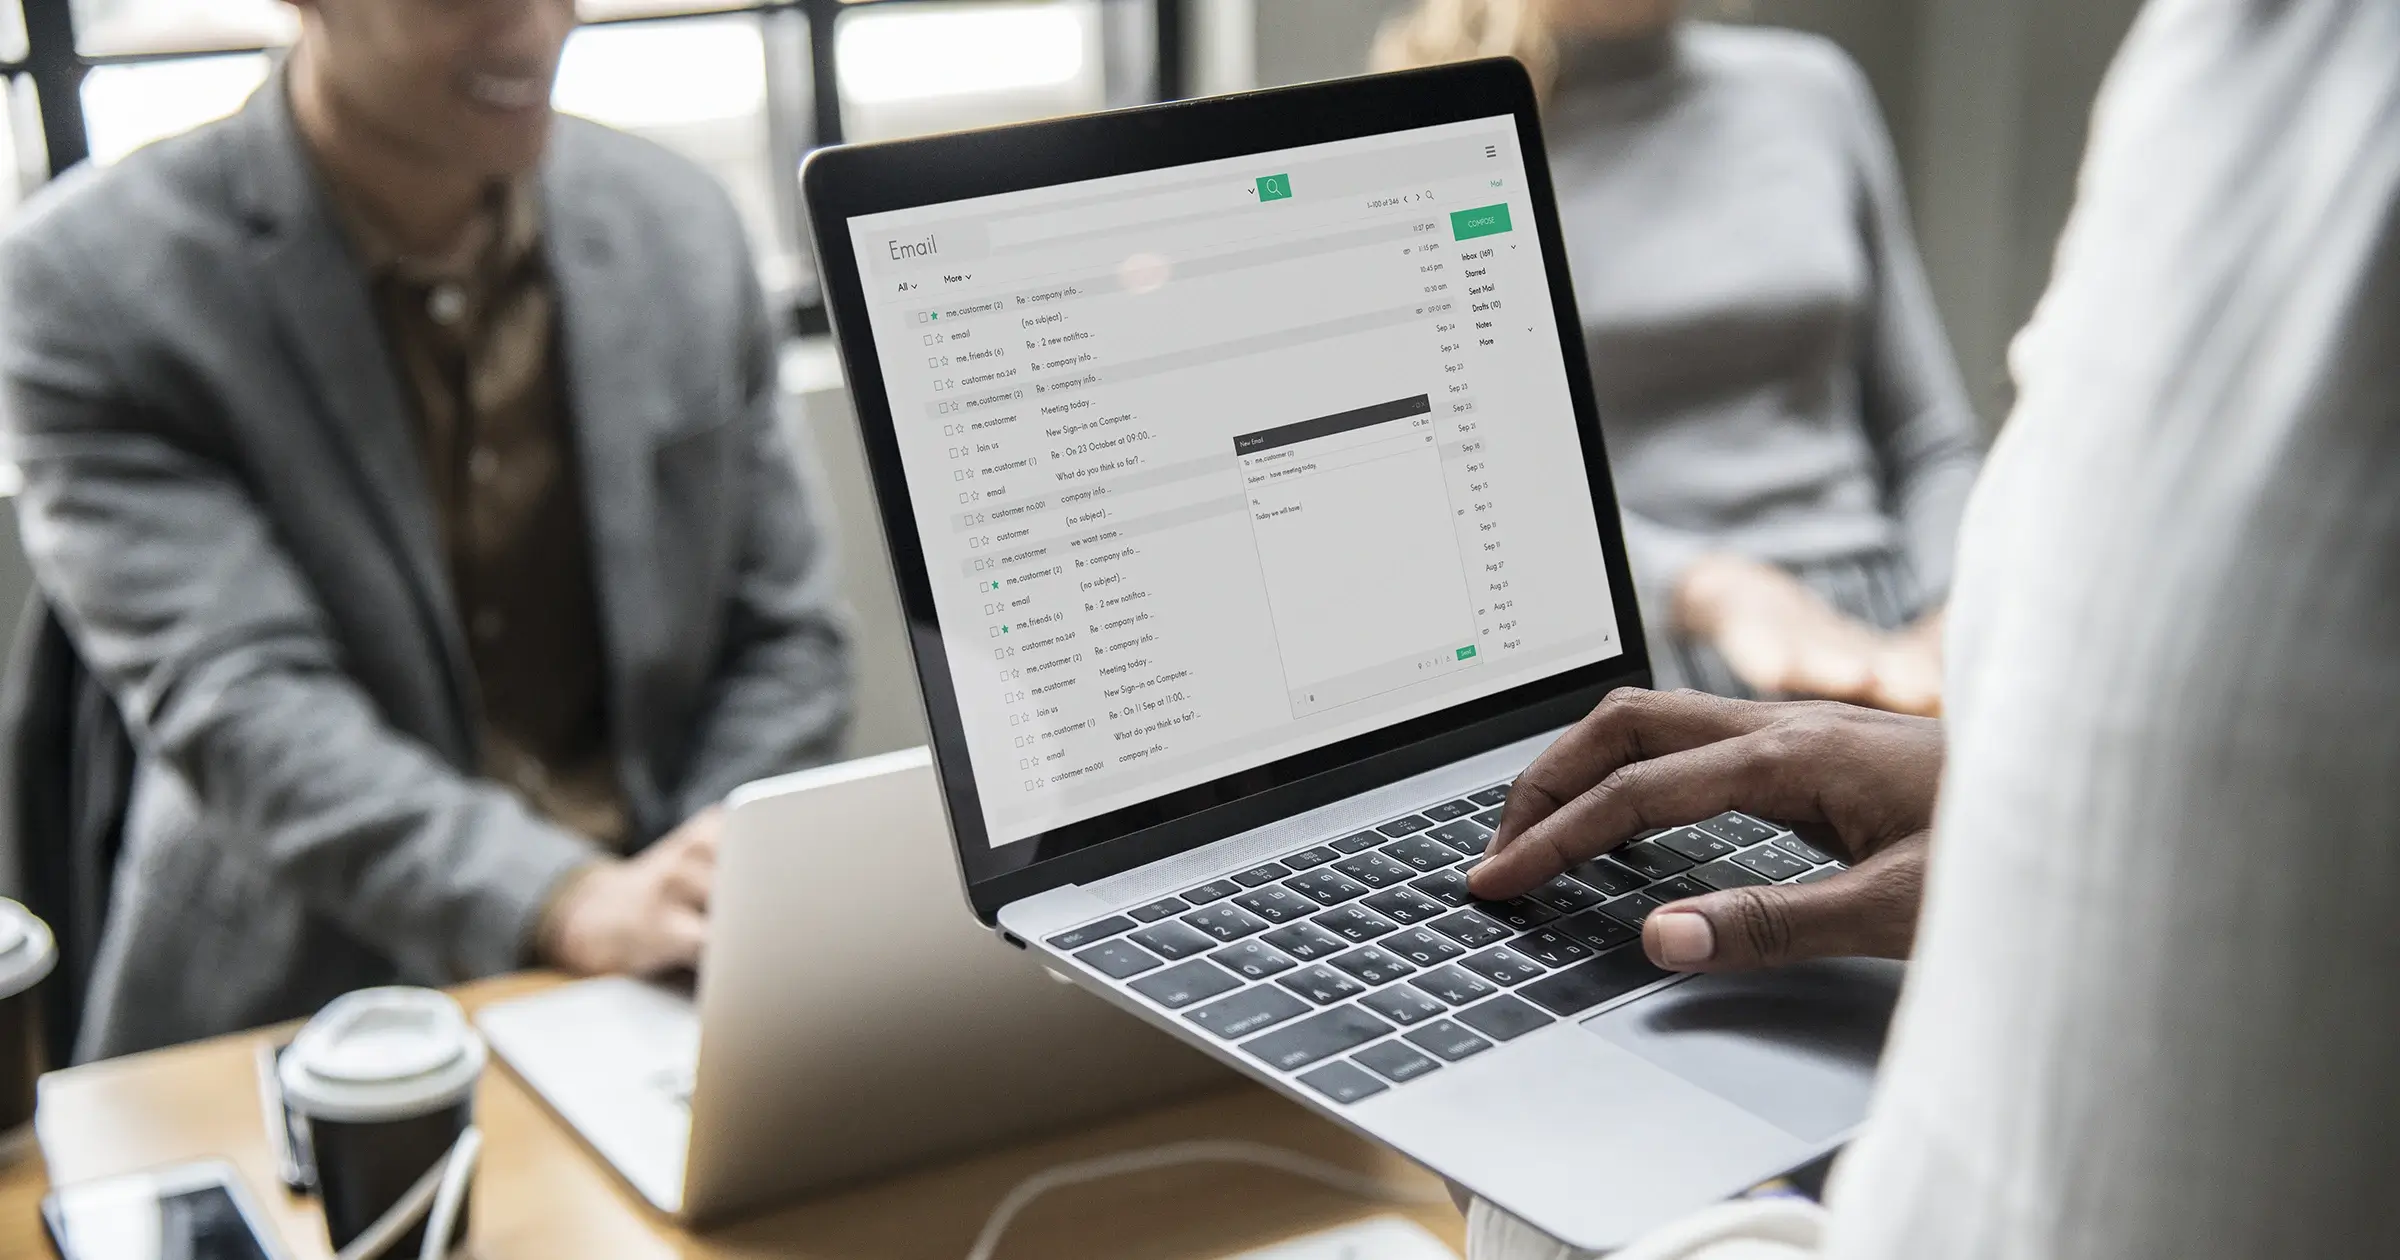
(800,117)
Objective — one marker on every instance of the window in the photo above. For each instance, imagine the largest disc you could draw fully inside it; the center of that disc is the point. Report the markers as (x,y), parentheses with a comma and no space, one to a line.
(744,88)
(127,28)
(907,69)
(130,105)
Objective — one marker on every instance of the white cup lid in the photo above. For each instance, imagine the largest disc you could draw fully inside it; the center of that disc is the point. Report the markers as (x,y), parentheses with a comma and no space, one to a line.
(27,952)
(382,1054)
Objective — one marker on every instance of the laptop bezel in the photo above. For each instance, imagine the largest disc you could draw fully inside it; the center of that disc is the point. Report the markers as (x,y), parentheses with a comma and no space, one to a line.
(842,183)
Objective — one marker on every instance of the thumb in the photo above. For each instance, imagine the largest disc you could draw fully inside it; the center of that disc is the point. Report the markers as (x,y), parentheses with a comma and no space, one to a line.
(1870,911)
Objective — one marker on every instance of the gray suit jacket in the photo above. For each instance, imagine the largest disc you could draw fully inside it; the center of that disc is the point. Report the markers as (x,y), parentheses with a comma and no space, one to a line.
(224,503)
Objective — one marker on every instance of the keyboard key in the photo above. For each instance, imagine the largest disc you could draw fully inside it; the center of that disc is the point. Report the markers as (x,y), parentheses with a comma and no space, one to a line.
(1503,966)
(1553,948)
(1317,856)
(1395,1061)
(1491,796)
(1610,879)
(1424,947)
(1320,1036)
(1650,861)
(1403,1005)
(1306,942)
(1253,959)
(1695,844)
(1321,984)
(1679,887)
(1375,870)
(1226,922)
(1453,986)
(1160,909)
(1091,932)
(1448,1040)
(1343,1082)
(1173,940)
(1630,911)
(1119,960)
(1597,930)
(1373,965)
(1470,929)
(1404,906)
(1489,818)
(1276,905)
(1408,826)
(1724,873)
(1326,887)
(1521,913)
(1565,896)
(1803,850)
(1503,1018)
(1262,874)
(1580,988)
(1822,872)
(1185,983)
(1355,924)
(1249,1011)
(1448,810)
(1359,842)
(1214,890)
(1419,853)
(1447,887)
(1740,830)
(1772,863)
(1466,837)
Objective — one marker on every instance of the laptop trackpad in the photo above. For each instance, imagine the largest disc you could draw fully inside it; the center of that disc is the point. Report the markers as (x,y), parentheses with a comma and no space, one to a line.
(1797,1047)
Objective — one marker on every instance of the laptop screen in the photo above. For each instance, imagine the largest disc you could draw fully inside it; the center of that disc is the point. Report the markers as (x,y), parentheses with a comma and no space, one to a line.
(1217,464)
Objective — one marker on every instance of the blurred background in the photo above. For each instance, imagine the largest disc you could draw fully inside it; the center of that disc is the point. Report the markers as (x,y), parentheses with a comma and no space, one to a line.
(1986,98)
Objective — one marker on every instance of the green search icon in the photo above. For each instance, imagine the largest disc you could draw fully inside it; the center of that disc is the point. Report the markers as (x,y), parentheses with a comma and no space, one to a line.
(1274,187)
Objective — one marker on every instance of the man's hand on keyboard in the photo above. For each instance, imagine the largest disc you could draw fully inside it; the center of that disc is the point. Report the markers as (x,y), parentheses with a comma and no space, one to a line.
(1854,782)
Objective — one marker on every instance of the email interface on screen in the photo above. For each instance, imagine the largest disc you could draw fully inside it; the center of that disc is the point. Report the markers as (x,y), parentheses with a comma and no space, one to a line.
(1217,464)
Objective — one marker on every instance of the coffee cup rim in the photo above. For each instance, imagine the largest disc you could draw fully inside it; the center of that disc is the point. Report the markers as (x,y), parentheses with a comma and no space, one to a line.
(318,1084)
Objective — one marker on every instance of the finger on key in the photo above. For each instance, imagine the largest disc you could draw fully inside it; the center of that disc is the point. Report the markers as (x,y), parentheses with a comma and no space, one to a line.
(1751,772)
(1866,912)
(1629,725)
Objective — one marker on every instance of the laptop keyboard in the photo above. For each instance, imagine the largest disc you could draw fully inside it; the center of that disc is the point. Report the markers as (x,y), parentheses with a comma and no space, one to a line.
(1361,964)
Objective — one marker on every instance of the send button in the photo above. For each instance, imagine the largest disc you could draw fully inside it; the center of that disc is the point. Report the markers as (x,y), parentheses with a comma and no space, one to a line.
(1466,225)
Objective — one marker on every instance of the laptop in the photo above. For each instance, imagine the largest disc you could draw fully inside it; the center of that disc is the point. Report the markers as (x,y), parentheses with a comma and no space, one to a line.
(1239,468)
(825,1043)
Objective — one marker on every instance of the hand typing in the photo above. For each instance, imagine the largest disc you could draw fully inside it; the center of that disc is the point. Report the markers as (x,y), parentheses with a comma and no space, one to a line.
(642,915)
(1855,782)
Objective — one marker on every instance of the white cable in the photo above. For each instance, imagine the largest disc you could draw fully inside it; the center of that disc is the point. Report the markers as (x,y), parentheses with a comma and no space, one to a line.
(443,1220)
(378,1238)
(1178,1153)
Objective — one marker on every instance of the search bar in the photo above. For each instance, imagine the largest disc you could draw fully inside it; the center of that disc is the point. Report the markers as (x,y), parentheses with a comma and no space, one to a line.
(1183,203)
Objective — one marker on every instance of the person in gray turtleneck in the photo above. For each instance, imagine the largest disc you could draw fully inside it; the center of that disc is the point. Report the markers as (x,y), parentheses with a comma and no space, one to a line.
(1791,441)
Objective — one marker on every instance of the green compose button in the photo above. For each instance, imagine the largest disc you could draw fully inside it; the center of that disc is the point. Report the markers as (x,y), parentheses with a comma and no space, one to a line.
(1466,225)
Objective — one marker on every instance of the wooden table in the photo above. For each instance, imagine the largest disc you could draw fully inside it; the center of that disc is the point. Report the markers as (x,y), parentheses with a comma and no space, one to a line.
(541,1193)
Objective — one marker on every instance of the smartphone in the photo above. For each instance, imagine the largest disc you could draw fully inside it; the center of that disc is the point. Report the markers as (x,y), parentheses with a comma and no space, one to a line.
(195,1211)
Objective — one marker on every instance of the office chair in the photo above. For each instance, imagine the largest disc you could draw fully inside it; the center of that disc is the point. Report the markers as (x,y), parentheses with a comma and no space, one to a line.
(66,777)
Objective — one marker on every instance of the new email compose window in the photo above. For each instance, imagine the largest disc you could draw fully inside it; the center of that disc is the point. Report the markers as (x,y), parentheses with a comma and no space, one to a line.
(1217,464)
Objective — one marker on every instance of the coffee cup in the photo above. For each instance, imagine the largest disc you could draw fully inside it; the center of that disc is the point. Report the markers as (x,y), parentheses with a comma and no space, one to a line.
(27,953)
(384,1080)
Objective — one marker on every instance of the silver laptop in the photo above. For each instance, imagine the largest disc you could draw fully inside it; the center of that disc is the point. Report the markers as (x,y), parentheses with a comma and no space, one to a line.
(839,989)
(1241,476)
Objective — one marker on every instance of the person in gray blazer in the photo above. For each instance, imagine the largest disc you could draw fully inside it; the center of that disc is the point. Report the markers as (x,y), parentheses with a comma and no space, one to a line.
(404,461)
